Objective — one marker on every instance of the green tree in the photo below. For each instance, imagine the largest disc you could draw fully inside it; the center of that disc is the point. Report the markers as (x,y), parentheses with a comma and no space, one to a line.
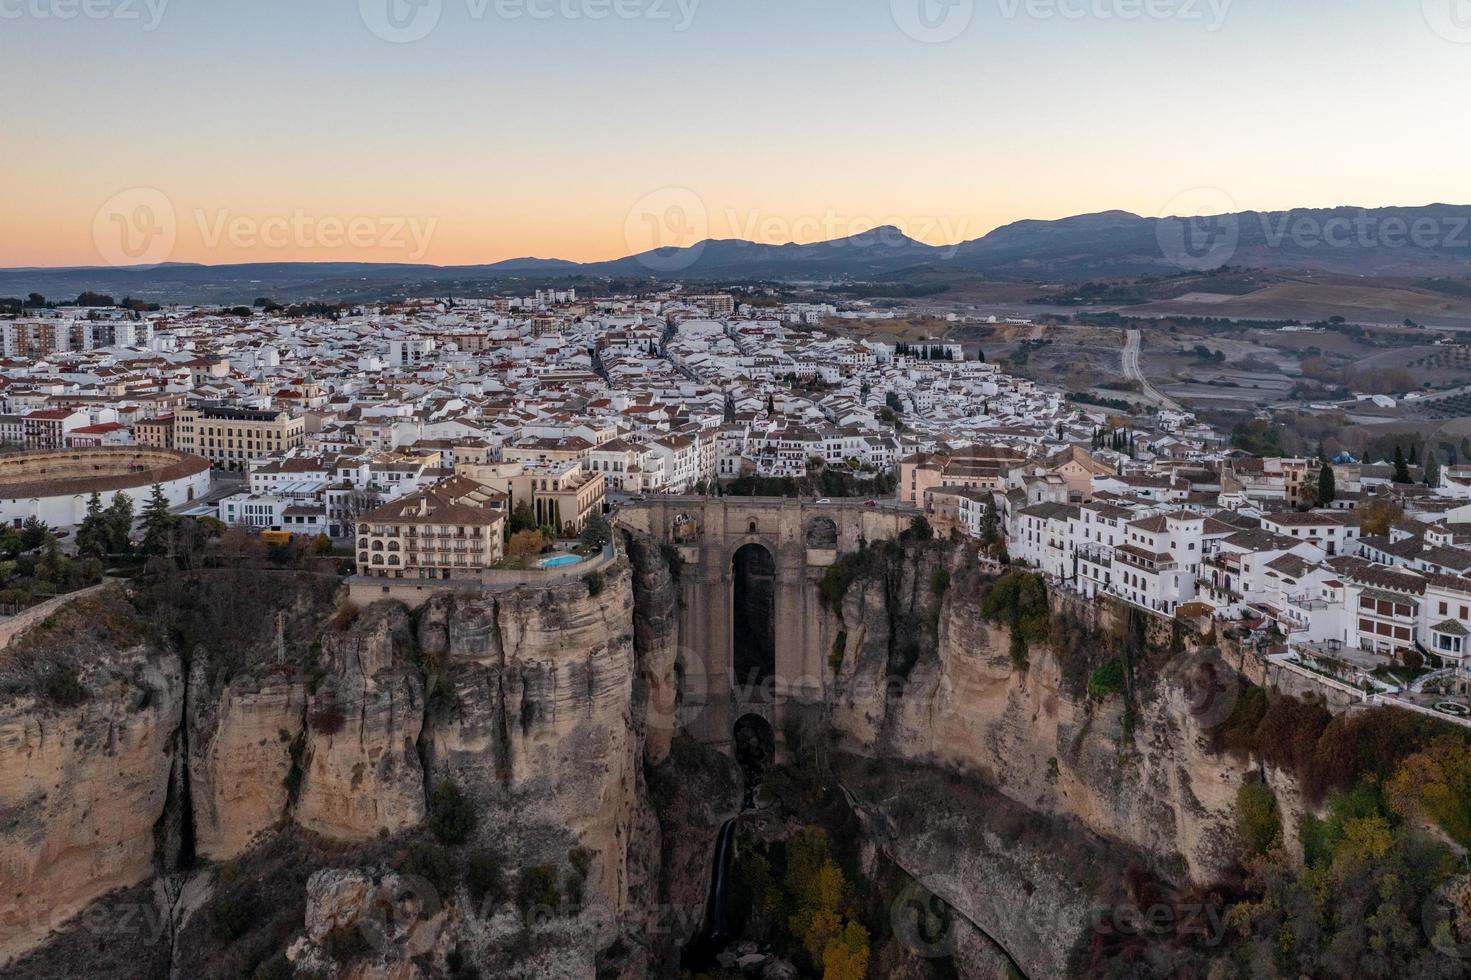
(94,535)
(597,532)
(1432,469)
(920,529)
(522,519)
(33,533)
(120,524)
(990,522)
(1401,467)
(158,525)
(451,814)
(1327,486)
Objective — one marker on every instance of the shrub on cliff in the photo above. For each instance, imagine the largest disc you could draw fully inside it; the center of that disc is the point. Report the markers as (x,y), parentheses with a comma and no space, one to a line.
(920,529)
(1018,601)
(595,582)
(538,898)
(432,863)
(834,585)
(1106,681)
(451,815)
(484,878)
(1258,820)
(346,615)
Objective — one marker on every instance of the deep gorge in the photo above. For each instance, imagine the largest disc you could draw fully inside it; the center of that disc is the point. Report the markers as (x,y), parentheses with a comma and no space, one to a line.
(496,784)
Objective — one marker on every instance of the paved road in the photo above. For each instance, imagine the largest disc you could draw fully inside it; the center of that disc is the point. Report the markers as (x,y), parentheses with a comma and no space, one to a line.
(1133,372)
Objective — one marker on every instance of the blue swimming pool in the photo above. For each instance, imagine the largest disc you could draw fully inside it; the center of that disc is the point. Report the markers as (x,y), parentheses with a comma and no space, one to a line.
(560,561)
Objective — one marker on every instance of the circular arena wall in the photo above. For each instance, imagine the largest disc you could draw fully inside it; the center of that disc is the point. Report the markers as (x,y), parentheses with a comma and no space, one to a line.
(54,485)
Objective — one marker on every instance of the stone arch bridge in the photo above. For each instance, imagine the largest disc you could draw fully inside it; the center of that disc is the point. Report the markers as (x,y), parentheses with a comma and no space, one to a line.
(752,634)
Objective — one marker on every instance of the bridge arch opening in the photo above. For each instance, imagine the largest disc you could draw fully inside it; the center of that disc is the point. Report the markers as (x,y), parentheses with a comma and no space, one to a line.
(822,533)
(754,622)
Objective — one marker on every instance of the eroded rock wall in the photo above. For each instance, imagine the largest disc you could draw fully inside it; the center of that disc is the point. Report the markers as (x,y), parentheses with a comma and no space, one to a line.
(241,742)
(532,718)
(361,775)
(964,705)
(82,789)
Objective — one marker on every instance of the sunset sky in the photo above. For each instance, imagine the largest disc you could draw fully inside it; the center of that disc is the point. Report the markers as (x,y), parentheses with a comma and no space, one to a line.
(501,134)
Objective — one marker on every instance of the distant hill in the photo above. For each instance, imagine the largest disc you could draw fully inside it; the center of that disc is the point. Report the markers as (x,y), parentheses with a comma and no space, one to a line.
(1418,241)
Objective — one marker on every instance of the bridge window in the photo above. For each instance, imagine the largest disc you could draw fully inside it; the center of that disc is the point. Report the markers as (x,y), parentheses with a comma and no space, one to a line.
(822,533)
(753,527)
(754,630)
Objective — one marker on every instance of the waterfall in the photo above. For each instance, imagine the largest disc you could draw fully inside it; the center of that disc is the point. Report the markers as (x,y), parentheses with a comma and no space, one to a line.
(719,927)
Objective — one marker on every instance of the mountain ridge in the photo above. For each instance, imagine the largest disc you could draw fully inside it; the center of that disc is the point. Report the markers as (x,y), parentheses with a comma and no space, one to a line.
(1432,239)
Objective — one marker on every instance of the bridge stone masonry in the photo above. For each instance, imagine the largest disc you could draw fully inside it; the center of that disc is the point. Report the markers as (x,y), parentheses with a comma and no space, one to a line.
(752,633)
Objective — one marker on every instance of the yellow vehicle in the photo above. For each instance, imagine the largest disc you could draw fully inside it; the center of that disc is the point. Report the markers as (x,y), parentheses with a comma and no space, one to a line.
(276,537)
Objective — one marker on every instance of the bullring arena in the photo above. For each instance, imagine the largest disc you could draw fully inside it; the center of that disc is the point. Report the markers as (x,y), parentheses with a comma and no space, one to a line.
(54,485)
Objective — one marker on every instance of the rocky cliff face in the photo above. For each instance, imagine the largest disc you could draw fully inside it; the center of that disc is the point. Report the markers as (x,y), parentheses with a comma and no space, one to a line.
(546,709)
(1035,734)
(656,642)
(532,719)
(82,788)
(241,742)
(523,700)
(361,774)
